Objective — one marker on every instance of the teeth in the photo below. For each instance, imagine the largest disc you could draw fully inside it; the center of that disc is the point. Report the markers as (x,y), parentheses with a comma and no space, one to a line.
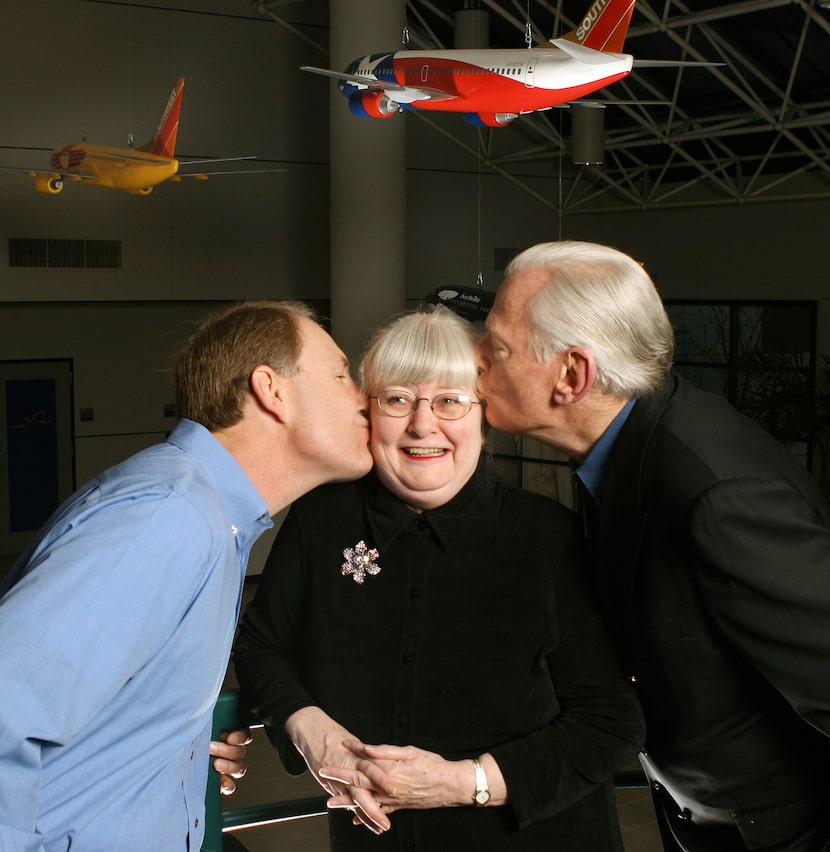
(425,451)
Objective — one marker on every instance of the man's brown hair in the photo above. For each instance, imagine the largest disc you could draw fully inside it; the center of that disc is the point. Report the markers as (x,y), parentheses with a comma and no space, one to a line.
(214,366)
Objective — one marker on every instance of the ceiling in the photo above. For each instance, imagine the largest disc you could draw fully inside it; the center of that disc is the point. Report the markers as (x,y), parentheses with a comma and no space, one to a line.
(756,129)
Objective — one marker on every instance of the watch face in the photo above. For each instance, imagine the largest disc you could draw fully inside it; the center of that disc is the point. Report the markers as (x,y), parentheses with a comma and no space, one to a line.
(482,797)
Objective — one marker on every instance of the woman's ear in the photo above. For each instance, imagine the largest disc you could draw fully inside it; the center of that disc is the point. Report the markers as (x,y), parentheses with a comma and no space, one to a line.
(269,390)
(578,372)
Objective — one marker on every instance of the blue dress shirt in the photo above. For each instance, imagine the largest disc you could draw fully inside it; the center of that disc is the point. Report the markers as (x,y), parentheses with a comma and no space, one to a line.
(593,471)
(115,630)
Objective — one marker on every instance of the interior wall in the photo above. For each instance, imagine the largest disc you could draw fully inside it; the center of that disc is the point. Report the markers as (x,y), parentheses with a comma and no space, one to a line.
(122,353)
(104,69)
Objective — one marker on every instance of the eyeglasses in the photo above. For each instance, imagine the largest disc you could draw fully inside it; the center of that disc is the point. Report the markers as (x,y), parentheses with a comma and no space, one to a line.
(445,406)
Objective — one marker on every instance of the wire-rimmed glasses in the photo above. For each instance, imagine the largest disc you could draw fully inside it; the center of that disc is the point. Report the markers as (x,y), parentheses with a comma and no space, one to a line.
(445,406)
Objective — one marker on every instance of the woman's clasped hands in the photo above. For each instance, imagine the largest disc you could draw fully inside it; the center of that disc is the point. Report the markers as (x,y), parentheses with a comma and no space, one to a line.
(399,778)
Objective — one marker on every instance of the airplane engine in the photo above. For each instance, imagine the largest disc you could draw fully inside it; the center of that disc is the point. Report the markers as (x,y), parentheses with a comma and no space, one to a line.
(368,104)
(490,119)
(49,184)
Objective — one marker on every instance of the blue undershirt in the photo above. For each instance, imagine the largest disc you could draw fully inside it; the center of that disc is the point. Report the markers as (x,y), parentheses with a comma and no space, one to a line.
(594,470)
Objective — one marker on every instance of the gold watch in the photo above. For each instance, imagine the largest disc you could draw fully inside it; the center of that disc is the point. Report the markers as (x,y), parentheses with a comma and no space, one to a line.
(482,794)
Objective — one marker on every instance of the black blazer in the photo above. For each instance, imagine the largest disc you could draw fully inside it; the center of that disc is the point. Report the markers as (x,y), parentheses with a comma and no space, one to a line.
(712,564)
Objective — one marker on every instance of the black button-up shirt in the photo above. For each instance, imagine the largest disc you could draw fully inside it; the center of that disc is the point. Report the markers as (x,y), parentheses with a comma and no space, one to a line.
(479,633)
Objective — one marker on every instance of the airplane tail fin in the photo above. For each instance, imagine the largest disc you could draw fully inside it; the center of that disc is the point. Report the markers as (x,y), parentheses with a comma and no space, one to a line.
(163,143)
(604,26)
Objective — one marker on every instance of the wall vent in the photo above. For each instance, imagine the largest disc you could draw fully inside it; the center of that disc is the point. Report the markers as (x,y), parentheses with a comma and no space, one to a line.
(65,254)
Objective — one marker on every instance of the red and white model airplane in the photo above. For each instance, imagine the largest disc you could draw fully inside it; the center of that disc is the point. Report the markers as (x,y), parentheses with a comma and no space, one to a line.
(494,86)
(135,171)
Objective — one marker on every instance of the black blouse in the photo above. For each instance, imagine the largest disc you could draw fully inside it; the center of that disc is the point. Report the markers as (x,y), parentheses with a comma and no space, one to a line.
(477,633)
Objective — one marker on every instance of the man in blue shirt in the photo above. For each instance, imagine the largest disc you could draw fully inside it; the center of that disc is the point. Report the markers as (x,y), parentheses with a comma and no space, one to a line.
(116,623)
(711,548)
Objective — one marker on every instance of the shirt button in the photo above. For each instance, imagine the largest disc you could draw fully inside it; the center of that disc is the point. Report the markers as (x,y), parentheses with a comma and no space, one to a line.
(414,593)
(234,529)
(422,524)
(408,658)
(196,822)
(403,720)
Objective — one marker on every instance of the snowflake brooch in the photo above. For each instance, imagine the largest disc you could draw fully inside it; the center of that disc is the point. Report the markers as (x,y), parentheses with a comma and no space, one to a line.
(360,561)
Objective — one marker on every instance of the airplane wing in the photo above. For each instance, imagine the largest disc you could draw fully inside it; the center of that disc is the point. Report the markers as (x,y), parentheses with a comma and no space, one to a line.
(401,94)
(605,102)
(40,170)
(589,56)
(586,55)
(216,160)
(357,79)
(22,169)
(671,63)
(205,175)
(124,155)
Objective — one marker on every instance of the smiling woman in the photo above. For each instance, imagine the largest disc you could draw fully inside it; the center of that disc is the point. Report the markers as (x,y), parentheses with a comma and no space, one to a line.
(369,622)
(422,455)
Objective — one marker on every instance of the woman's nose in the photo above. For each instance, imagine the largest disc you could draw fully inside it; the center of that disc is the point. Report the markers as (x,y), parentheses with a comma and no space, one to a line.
(422,420)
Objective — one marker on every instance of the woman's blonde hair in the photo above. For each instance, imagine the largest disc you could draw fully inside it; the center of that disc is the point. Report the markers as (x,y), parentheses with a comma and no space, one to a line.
(423,346)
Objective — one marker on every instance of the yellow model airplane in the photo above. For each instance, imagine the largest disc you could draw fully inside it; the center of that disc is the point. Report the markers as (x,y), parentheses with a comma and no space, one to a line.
(135,171)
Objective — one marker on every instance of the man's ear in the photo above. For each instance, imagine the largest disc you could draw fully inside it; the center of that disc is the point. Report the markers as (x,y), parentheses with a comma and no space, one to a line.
(578,372)
(269,390)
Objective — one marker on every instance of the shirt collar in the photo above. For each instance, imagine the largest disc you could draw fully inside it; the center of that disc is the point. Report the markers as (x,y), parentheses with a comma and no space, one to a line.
(245,507)
(388,515)
(594,470)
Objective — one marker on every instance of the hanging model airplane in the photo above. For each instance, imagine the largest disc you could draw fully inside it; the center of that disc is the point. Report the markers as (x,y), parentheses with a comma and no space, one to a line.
(492,87)
(135,171)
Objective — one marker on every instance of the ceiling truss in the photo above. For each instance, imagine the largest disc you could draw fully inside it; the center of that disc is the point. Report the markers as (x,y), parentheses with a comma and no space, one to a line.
(756,129)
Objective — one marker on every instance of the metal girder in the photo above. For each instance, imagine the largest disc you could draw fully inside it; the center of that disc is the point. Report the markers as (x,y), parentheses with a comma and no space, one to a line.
(757,129)
(743,133)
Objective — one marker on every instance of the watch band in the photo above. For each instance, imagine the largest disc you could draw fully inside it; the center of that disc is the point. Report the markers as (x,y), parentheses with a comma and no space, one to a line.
(482,794)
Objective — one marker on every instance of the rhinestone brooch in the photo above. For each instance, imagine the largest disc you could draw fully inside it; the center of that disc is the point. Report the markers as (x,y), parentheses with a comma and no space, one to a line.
(360,561)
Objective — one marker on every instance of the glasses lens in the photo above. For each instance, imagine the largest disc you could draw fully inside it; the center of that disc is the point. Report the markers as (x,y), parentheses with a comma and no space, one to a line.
(396,403)
(451,406)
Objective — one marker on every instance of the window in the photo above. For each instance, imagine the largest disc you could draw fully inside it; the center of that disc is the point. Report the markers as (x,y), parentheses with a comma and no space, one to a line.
(759,355)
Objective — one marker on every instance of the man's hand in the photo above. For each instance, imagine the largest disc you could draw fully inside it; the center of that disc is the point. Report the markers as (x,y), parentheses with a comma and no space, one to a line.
(230,752)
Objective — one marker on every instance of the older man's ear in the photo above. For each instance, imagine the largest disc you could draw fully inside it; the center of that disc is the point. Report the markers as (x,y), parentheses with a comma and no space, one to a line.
(576,374)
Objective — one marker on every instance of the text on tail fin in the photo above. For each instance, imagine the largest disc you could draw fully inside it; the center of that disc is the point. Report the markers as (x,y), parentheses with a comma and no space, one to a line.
(604,26)
(164,142)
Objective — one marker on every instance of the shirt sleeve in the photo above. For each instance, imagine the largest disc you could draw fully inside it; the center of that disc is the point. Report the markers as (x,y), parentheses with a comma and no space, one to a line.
(98,601)
(765,578)
(599,727)
(265,650)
